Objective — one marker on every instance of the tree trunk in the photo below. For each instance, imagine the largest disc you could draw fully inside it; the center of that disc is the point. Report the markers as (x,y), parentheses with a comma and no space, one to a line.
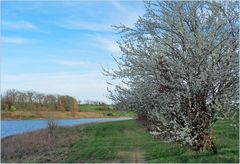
(213,147)
(200,125)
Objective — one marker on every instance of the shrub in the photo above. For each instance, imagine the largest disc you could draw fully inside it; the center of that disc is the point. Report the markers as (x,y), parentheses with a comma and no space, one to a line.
(109,114)
(13,109)
(51,126)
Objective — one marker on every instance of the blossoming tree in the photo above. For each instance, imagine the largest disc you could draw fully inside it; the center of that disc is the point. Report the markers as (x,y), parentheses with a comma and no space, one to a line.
(180,68)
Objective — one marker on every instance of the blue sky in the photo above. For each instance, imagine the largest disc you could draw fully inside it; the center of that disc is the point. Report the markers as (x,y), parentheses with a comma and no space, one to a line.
(59,47)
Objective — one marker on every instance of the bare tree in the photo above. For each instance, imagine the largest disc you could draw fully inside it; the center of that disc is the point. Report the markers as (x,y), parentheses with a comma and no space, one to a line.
(29,100)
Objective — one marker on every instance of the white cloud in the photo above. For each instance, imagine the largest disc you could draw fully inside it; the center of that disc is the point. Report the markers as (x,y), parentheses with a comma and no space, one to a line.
(127,16)
(118,6)
(84,25)
(108,44)
(19,25)
(120,14)
(71,63)
(90,86)
(13,40)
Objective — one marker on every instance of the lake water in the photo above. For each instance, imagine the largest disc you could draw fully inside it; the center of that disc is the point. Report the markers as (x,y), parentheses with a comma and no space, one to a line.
(12,127)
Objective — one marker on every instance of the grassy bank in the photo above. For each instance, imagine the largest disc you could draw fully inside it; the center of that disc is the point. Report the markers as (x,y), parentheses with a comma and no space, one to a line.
(86,111)
(106,110)
(122,141)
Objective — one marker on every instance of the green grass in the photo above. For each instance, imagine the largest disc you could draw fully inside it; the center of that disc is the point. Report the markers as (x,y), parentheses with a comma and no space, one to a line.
(111,141)
(85,111)
(94,108)
(127,141)
(103,142)
(106,110)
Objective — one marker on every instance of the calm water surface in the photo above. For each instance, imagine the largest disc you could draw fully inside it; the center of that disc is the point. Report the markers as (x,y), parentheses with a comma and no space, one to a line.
(12,127)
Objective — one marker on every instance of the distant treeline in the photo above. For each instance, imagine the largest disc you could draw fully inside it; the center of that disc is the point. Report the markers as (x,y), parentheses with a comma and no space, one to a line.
(29,100)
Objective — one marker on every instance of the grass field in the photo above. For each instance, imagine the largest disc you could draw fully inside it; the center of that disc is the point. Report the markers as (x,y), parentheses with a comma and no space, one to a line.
(122,141)
(106,110)
(85,111)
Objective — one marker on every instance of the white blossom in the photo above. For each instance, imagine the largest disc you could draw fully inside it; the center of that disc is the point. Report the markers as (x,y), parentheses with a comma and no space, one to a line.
(180,65)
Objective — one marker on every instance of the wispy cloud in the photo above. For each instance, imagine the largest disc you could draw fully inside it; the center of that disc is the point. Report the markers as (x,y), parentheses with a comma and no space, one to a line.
(120,14)
(108,44)
(71,63)
(127,16)
(84,25)
(19,25)
(13,40)
(118,6)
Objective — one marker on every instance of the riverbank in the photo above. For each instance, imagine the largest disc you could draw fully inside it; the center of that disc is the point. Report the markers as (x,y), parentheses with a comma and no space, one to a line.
(13,127)
(86,111)
(121,141)
(44,115)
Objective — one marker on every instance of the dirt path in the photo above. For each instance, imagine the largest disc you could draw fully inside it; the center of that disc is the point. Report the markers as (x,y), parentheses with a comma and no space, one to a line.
(136,156)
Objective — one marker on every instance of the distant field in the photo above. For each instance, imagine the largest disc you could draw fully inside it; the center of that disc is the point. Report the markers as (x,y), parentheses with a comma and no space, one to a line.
(121,141)
(106,110)
(86,111)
